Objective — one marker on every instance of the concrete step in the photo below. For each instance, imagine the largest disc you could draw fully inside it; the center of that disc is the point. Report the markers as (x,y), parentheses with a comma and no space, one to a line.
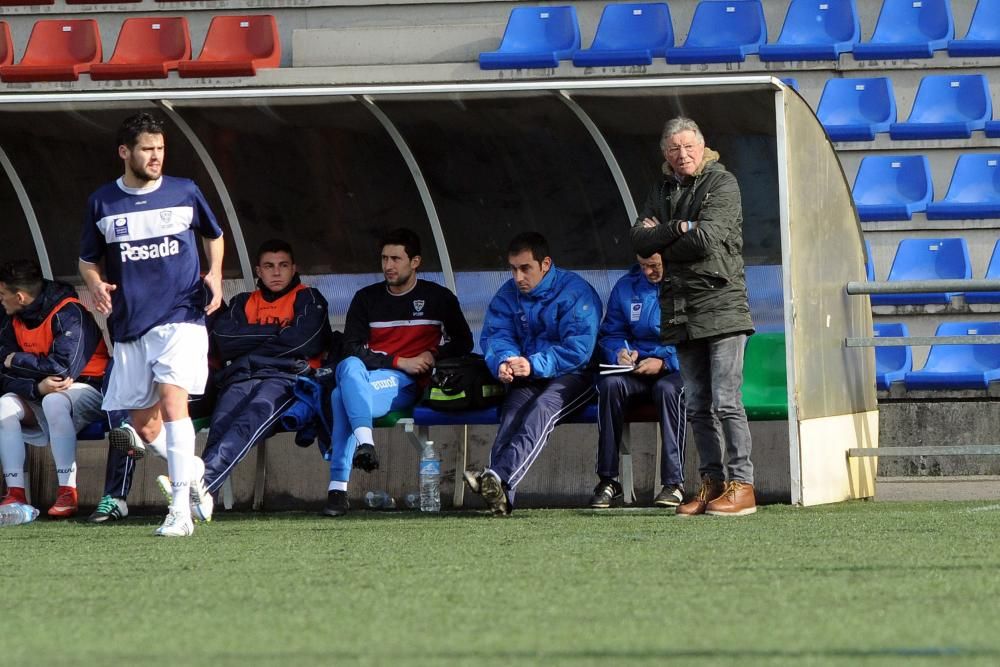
(971,487)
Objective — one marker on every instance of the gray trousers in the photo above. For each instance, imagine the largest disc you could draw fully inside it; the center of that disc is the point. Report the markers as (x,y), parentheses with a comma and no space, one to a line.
(712,369)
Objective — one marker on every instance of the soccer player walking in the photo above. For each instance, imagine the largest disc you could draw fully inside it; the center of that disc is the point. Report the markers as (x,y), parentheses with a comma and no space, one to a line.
(143,227)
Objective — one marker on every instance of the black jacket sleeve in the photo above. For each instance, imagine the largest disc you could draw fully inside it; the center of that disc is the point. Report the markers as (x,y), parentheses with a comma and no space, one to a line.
(458,336)
(234,336)
(356,335)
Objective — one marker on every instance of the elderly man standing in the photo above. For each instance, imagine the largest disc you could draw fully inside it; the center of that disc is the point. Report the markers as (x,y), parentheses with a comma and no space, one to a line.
(694,218)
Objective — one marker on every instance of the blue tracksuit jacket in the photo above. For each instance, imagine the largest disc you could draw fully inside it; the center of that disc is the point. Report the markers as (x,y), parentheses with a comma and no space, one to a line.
(634,316)
(554,326)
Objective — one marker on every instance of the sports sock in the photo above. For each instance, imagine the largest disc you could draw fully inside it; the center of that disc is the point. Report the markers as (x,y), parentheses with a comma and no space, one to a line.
(364,435)
(62,434)
(180,451)
(159,444)
(11,441)
(337,486)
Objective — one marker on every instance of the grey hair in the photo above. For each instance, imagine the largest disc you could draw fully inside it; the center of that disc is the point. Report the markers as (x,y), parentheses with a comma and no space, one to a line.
(677,125)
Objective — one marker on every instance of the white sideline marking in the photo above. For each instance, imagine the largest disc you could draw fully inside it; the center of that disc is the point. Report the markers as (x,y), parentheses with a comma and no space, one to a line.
(984,508)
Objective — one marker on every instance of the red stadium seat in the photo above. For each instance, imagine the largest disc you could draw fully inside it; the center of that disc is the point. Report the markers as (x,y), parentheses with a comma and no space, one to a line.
(6,45)
(147,48)
(236,46)
(58,50)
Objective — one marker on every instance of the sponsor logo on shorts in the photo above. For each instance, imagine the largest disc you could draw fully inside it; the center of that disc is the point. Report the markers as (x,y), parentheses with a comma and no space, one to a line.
(137,253)
(387,383)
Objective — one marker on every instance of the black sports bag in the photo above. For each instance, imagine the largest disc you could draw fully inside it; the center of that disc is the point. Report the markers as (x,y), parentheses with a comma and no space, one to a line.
(463,383)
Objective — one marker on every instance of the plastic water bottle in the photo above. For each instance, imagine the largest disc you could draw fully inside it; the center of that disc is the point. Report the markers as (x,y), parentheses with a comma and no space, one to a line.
(17,513)
(430,480)
(379,500)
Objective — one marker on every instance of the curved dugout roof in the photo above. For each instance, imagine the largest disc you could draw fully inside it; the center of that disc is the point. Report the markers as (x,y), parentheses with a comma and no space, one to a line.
(468,166)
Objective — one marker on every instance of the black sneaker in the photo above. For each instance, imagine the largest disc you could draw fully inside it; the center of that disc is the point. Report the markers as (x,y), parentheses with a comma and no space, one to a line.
(336,504)
(670,495)
(127,441)
(365,458)
(606,494)
(491,489)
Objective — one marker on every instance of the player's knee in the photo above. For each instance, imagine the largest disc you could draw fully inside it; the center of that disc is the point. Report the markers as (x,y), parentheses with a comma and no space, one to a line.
(10,407)
(56,404)
(349,366)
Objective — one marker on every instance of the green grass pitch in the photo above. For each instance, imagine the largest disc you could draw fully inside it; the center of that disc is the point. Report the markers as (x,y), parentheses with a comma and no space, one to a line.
(856,583)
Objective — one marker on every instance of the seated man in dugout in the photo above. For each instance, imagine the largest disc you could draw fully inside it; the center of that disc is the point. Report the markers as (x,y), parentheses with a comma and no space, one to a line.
(630,337)
(265,339)
(395,331)
(538,337)
(54,359)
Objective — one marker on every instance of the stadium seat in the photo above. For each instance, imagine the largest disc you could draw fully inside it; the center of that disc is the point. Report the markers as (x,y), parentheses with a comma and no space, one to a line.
(947,106)
(722,32)
(815,30)
(974,191)
(629,34)
(765,391)
(535,37)
(983,37)
(992,273)
(6,45)
(236,46)
(891,362)
(909,29)
(892,187)
(857,109)
(147,48)
(869,262)
(992,128)
(959,366)
(927,259)
(58,50)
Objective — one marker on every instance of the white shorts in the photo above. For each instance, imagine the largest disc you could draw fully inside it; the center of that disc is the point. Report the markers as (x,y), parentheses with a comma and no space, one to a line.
(174,354)
(85,402)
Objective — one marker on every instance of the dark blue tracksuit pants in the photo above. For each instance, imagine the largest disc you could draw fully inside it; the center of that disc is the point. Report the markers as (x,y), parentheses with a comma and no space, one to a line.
(530,413)
(614,394)
(247,413)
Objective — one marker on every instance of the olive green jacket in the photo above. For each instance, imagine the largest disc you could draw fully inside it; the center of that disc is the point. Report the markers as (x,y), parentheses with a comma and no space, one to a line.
(704,292)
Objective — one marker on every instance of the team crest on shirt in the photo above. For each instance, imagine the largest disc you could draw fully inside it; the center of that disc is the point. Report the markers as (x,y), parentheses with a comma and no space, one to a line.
(121,227)
(165,216)
(418,306)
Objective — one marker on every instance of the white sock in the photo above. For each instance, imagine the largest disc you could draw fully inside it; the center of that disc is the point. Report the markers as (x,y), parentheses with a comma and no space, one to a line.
(180,451)
(364,435)
(159,444)
(11,441)
(337,486)
(62,434)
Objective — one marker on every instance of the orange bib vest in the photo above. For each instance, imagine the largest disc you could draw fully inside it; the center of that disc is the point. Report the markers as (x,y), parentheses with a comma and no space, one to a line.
(38,341)
(281,311)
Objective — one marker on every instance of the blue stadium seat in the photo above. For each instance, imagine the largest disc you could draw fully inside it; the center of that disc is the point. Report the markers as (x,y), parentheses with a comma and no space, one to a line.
(974,191)
(535,37)
(815,30)
(909,29)
(892,187)
(869,262)
(629,34)
(892,362)
(927,259)
(947,106)
(983,37)
(992,273)
(722,31)
(857,109)
(992,128)
(959,366)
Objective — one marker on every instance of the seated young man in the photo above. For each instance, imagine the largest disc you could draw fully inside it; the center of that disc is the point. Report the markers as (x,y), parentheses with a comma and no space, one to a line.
(538,336)
(264,339)
(394,332)
(630,336)
(54,358)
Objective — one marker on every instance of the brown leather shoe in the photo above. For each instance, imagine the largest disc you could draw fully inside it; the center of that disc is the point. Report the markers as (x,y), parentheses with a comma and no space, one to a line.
(736,500)
(710,489)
